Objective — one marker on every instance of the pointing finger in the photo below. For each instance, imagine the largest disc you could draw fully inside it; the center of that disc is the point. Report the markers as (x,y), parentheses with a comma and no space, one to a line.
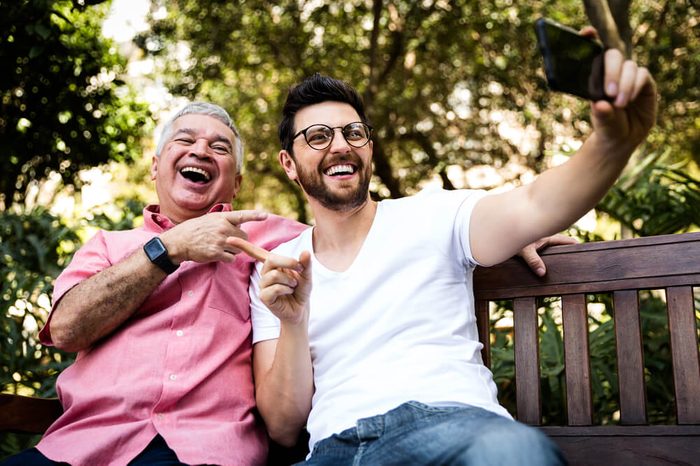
(241,216)
(256,252)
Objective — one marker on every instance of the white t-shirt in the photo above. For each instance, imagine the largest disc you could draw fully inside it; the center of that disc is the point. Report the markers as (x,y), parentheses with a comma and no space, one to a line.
(399,323)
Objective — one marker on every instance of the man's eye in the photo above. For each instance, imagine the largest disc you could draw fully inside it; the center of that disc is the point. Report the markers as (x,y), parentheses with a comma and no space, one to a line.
(317,137)
(221,149)
(185,140)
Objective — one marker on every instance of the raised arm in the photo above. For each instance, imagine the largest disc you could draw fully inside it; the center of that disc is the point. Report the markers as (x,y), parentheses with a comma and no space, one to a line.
(282,367)
(98,305)
(503,223)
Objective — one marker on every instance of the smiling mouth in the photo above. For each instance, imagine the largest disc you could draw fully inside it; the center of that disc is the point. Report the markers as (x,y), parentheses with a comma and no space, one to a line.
(339,170)
(196,175)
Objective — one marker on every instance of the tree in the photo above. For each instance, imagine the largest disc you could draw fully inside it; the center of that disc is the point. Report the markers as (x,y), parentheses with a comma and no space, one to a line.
(430,73)
(445,83)
(64,106)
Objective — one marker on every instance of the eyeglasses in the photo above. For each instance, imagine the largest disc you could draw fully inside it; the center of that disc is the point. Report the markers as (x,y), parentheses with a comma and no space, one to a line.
(320,137)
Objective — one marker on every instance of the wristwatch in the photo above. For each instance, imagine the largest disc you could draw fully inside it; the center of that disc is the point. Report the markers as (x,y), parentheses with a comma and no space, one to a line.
(158,254)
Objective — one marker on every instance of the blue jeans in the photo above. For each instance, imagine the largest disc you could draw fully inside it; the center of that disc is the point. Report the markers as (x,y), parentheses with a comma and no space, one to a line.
(157,453)
(417,434)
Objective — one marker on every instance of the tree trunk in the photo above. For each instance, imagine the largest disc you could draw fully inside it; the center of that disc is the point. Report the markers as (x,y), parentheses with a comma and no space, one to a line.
(611,19)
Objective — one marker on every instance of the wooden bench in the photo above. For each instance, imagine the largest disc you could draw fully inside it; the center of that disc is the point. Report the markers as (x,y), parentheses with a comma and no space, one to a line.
(623,268)
(670,262)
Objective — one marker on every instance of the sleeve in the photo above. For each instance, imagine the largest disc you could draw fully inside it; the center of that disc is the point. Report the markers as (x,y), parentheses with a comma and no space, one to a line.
(90,259)
(462,221)
(266,326)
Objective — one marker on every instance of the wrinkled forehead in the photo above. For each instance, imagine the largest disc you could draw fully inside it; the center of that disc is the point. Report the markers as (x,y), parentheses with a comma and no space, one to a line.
(328,113)
(202,126)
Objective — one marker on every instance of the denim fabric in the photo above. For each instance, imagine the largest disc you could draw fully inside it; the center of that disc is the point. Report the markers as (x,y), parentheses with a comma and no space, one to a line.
(417,434)
(157,453)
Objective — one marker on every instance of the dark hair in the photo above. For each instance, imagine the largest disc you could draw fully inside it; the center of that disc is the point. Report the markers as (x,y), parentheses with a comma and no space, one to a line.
(314,90)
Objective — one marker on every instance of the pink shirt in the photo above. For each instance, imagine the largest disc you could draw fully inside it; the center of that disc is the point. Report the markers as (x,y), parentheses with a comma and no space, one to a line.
(180,366)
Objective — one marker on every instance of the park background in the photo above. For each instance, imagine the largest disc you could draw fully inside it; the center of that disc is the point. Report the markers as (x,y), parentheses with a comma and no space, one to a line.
(454,89)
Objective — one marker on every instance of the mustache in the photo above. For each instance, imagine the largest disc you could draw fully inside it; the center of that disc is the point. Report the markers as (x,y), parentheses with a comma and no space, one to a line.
(339,159)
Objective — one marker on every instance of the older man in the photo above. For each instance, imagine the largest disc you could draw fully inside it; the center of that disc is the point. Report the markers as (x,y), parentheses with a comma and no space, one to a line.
(160,318)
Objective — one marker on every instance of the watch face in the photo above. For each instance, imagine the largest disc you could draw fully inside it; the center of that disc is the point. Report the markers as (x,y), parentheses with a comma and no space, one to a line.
(154,248)
(158,254)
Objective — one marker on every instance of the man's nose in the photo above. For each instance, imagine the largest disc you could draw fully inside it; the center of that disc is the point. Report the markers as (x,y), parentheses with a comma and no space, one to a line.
(200,148)
(339,144)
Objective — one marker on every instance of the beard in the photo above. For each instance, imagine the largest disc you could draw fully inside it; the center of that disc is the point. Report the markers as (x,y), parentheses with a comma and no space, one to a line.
(343,199)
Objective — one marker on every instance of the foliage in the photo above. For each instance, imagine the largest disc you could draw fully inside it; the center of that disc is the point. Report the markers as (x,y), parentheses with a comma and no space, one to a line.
(34,247)
(654,199)
(444,82)
(432,75)
(64,107)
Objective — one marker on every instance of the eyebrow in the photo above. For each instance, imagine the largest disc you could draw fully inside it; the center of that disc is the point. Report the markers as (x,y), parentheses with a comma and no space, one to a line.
(217,138)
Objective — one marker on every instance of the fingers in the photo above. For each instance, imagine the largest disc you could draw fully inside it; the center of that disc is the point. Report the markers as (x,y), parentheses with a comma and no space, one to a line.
(278,282)
(254,251)
(533,260)
(624,79)
(557,240)
(589,31)
(305,262)
(275,261)
(613,67)
(531,255)
(643,81)
(285,285)
(628,76)
(238,217)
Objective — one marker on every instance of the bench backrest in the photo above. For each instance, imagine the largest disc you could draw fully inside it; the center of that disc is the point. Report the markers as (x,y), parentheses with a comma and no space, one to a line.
(622,268)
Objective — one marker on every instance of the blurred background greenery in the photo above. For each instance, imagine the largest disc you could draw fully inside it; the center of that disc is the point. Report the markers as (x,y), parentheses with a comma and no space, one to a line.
(454,89)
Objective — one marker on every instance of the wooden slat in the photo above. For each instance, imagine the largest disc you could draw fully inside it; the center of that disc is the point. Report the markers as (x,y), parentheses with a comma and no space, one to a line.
(622,431)
(639,283)
(684,350)
(576,357)
(640,263)
(527,361)
(630,358)
(628,445)
(484,327)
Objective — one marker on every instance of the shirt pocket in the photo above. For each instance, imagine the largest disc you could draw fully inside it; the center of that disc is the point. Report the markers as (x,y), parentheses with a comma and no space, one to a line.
(228,292)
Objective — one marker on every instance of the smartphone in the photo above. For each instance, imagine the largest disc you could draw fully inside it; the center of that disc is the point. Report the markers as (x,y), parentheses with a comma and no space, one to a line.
(572,63)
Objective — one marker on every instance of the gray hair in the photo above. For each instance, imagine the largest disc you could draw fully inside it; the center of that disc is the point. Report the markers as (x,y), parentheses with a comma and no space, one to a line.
(212,110)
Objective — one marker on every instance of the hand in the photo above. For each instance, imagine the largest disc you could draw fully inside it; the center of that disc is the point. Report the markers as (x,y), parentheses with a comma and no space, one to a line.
(285,287)
(632,113)
(628,118)
(530,252)
(206,238)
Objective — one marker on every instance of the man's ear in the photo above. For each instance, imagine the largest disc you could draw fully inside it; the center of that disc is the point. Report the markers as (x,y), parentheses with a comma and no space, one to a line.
(154,167)
(288,164)
(237,184)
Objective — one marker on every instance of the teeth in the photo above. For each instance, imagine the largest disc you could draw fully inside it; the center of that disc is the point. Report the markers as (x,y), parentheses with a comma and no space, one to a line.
(199,171)
(335,169)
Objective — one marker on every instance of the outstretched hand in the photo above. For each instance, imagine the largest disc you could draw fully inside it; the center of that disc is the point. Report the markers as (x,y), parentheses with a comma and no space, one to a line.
(530,253)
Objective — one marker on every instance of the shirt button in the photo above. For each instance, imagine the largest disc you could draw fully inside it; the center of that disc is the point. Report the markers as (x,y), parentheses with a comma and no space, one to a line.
(190,293)
(159,416)
(172,377)
(179,333)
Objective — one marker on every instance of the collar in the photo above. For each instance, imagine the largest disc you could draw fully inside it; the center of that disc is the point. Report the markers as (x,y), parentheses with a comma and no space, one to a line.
(155,221)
